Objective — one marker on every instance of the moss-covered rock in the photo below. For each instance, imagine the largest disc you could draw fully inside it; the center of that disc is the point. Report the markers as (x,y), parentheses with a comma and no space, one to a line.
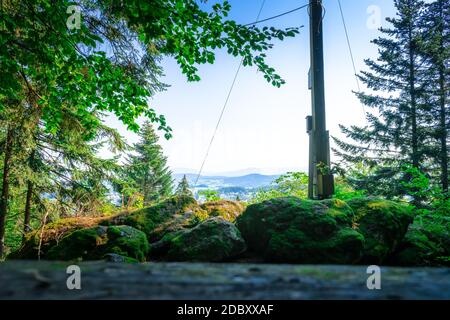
(301,231)
(168,216)
(415,250)
(213,240)
(127,241)
(81,244)
(427,243)
(174,214)
(43,239)
(383,224)
(94,243)
(227,209)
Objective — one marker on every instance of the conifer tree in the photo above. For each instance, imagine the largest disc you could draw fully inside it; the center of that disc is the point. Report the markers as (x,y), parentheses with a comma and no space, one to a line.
(183,188)
(436,51)
(56,69)
(147,169)
(397,122)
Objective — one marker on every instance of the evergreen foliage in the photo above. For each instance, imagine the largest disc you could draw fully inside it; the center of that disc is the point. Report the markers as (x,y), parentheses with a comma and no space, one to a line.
(183,188)
(146,170)
(59,81)
(408,119)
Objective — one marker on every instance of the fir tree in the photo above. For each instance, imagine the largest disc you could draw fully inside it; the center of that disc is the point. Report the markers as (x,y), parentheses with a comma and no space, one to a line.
(147,169)
(183,188)
(40,69)
(436,51)
(397,124)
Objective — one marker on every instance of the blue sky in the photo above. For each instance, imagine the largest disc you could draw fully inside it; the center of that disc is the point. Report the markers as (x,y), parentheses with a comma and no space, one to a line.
(264,127)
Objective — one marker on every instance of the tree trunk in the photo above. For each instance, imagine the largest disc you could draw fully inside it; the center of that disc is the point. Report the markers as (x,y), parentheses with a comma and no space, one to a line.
(28,201)
(414,135)
(444,134)
(442,111)
(27,217)
(4,197)
(415,158)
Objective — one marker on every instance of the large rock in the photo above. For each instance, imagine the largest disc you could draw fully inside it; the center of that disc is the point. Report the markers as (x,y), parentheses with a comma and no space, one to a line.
(227,209)
(171,215)
(95,243)
(38,242)
(383,224)
(427,243)
(213,240)
(301,231)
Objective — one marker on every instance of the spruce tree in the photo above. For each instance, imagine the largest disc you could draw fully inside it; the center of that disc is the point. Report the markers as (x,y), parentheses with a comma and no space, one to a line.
(147,169)
(397,123)
(436,52)
(183,188)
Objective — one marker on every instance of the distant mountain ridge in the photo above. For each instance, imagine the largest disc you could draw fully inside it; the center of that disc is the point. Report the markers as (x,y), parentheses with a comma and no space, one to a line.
(252,181)
(241,172)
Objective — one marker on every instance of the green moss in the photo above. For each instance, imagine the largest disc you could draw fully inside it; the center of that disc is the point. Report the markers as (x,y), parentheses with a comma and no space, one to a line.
(165,211)
(167,216)
(51,235)
(416,250)
(94,243)
(340,210)
(79,245)
(198,217)
(227,209)
(211,241)
(114,232)
(131,242)
(427,243)
(383,223)
(296,246)
(301,231)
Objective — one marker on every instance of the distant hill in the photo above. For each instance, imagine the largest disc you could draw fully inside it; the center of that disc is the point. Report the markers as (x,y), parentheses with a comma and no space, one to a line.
(249,181)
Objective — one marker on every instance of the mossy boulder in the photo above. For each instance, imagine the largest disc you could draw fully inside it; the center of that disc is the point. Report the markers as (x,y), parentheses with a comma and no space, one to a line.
(43,239)
(427,243)
(227,209)
(383,224)
(293,230)
(95,243)
(171,215)
(213,240)
(127,241)
(81,244)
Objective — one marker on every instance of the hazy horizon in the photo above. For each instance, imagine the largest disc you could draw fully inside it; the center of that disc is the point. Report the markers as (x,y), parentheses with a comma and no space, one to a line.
(241,172)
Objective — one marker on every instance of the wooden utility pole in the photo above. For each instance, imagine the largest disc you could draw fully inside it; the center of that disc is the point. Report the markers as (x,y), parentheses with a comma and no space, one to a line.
(321,182)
